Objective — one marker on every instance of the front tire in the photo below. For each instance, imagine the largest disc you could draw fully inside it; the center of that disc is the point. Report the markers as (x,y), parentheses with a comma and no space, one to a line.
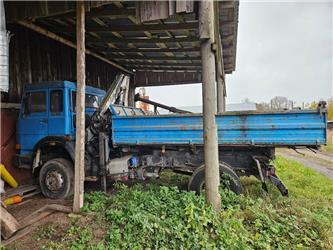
(228,178)
(56,178)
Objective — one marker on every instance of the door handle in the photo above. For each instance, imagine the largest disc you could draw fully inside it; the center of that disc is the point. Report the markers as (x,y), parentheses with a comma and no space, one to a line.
(43,121)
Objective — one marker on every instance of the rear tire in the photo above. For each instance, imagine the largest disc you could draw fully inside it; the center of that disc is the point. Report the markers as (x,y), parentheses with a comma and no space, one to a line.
(228,178)
(56,178)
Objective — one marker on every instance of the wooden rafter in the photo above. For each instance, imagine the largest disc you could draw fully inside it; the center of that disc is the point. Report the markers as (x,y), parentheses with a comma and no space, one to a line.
(168,58)
(116,13)
(142,40)
(192,64)
(142,27)
(161,50)
(60,39)
(160,67)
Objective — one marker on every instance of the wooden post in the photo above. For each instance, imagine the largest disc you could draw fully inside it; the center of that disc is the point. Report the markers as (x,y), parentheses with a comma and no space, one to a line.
(220,76)
(80,107)
(206,31)
(220,95)
(131,92)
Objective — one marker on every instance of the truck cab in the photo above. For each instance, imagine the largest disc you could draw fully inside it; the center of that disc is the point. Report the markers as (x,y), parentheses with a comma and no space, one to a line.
(48,110)
(46,131)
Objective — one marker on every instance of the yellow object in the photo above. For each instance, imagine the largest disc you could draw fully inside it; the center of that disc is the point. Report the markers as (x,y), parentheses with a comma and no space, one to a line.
(6,176)
(13,200)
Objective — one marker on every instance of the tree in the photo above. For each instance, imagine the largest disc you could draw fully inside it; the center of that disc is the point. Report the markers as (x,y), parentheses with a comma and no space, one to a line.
(263,106)
(280,103)
(312,105)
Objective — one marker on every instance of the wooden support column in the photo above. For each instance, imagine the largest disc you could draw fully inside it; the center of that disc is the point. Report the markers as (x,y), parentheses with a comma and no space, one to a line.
(131,93)
(220,95)
(206,31)
(80,107)
(220,79)
(220,76)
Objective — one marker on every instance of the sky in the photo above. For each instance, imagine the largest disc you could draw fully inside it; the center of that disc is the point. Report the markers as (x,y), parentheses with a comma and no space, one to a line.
(283,49)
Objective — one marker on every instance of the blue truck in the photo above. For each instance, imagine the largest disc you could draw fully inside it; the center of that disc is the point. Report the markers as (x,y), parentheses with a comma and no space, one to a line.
(125,143)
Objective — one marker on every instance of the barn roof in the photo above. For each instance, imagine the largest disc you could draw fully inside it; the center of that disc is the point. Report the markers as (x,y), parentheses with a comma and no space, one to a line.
(159,52)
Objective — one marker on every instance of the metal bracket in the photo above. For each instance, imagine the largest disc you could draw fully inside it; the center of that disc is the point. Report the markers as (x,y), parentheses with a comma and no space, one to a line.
(295,149)
(262,179)
(269,175)
(103,158)
(279,184)
(36,160)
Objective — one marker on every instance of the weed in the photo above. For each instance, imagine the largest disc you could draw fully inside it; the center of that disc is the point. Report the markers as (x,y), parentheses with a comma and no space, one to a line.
(44,232)
(160,215)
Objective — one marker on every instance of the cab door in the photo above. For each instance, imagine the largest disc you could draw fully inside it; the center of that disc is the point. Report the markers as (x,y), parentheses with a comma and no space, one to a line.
(33,120)
(59,123)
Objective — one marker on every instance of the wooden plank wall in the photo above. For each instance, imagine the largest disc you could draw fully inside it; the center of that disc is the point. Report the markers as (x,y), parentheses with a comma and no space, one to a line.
(34,58)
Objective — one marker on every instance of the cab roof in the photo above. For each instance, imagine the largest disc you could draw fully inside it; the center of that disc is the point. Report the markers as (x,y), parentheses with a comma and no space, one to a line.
(62,84)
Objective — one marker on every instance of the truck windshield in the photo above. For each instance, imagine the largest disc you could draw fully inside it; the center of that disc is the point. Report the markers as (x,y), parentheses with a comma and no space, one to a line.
(92,101)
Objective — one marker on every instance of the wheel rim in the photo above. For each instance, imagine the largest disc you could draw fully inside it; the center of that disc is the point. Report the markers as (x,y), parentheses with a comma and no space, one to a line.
(54,180)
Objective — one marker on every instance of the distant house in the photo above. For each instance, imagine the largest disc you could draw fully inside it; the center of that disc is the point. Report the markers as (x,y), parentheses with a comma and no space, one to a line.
(330,132)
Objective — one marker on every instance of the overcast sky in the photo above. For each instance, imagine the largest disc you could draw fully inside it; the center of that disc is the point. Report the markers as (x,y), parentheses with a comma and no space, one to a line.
(283,49)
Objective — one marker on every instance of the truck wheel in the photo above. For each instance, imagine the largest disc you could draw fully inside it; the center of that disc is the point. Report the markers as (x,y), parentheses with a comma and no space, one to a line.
(56,178)
(228,179)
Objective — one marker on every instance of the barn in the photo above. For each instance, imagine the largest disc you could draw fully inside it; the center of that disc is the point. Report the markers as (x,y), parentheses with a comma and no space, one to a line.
(153,43)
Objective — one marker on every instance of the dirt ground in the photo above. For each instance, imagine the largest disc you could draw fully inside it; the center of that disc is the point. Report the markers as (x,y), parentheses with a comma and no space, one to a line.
(20,211)
(59,221)
(319,161)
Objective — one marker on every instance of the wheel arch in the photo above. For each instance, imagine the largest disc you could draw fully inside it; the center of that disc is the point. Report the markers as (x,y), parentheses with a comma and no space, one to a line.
(53,147)
(225,168)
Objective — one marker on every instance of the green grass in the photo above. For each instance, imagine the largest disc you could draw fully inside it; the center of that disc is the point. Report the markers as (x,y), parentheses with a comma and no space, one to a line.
(327,148)
(160,215)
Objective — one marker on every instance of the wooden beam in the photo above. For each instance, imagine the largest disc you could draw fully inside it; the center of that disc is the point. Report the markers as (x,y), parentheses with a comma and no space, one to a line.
(142,27)
(186,70)
(165,67)
(211,153)
(152,58)
(9,224)
(115,13)
(227,23)
(227,38)
(161,58)
(80,108)
(227,4)
(192,64)
(60,39)
(104,40)
(220,75)
(155,50)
